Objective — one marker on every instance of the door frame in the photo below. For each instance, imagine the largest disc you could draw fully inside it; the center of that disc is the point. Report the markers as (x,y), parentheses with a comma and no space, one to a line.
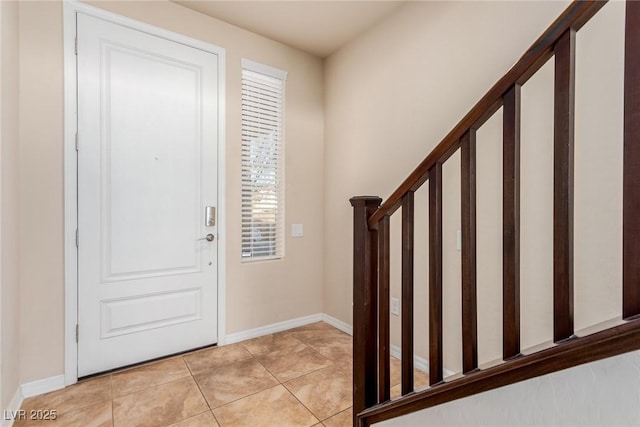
(70,8)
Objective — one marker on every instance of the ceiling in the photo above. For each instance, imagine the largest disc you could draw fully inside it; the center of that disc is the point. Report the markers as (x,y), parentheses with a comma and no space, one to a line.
(317,27)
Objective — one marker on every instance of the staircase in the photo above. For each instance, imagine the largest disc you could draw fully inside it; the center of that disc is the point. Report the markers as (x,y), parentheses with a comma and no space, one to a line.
(371,268)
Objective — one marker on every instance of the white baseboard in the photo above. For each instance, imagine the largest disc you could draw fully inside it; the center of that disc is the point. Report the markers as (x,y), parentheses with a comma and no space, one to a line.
(272,328)
(14,406)
(288,324)
(419,362)
(338,324)
(45,385)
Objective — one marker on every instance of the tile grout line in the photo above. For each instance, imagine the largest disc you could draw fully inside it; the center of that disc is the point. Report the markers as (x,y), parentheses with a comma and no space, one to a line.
(215,418)
(147,388)
(289,391)
(244,397)
(190,375)
(336,414)
(219,366)
(305,406)
(286,388)
(60,391)
(193,377)
(268,370)
(251,394)
(301,375)
(201,393)
(113,397)
(283,384)
(113,414)
(164,384)
(307,344)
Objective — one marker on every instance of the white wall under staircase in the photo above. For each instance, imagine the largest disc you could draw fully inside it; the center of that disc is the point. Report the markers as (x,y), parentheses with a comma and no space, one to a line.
(602,393)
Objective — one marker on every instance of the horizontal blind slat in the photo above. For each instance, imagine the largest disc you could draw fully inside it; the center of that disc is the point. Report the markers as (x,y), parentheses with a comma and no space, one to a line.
(259,79)
(276,87)
(260,99)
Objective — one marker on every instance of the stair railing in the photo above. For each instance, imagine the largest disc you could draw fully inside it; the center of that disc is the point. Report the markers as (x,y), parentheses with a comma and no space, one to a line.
(371,267)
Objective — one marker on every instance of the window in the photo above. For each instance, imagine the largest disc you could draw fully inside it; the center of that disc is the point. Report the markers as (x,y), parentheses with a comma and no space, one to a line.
(262,161)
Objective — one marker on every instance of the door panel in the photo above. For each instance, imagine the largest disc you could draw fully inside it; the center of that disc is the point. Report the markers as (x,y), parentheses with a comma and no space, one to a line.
(136,314)
(147,168)
(139,241)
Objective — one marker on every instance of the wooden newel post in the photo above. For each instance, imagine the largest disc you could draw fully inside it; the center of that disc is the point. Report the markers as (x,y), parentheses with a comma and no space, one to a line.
(365,259)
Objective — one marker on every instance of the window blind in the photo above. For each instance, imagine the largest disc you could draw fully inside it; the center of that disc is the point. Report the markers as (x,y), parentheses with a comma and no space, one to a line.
(262,162)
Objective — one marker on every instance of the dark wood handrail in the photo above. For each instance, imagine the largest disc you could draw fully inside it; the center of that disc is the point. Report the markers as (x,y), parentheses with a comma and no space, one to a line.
(607,343)
(575,16)
(371,272)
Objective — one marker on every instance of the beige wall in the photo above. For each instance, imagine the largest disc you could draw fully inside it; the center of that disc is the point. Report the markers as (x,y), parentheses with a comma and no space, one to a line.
(257,294)
(9,290)
(41,190)
(393,93)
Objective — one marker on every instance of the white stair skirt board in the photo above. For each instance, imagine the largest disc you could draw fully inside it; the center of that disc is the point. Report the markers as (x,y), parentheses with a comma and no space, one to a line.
(419,362)
(14,406)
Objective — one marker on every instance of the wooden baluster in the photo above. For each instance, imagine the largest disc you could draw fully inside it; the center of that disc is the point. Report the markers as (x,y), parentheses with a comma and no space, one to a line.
(435,274)
(365,248)
(384,377)
(469,276)
(407,292)
(563,186)
(511,224)
(631,195)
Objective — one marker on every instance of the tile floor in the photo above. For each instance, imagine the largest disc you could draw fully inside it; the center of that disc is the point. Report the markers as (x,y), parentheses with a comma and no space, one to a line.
(300,377)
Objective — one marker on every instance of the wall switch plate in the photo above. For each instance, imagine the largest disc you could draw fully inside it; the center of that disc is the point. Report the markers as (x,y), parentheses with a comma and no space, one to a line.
(395,306)
(297,230)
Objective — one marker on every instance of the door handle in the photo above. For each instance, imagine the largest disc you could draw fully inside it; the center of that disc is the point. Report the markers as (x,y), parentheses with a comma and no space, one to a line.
(209,238)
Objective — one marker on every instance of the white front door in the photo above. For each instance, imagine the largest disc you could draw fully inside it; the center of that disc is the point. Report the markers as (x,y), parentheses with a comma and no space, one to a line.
(147,171)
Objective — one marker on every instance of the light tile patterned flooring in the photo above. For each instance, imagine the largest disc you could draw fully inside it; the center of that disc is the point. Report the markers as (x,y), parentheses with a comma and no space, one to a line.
(300,377)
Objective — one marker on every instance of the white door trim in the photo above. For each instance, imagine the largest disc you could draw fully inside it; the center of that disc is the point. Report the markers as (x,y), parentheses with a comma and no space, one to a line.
(70,8)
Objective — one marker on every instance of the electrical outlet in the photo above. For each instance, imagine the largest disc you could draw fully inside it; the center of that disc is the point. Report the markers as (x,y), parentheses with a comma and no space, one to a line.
(395,307)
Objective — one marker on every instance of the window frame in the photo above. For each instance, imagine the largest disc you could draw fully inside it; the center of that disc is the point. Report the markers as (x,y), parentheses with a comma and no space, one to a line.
(278,239)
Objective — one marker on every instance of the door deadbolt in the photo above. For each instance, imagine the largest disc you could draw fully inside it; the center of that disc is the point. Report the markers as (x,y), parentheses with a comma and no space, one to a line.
(209,216)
